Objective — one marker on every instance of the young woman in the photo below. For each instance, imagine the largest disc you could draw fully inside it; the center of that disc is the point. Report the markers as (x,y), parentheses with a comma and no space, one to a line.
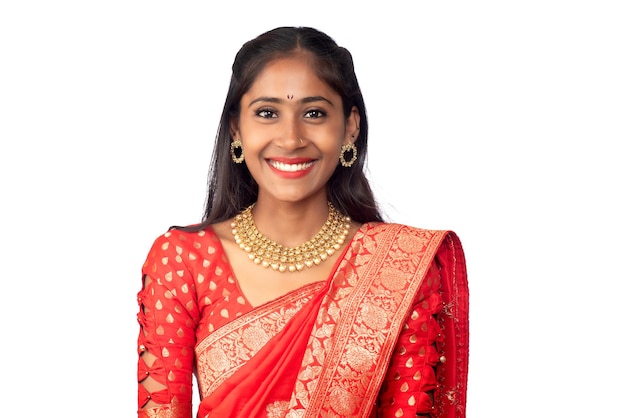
(293,298)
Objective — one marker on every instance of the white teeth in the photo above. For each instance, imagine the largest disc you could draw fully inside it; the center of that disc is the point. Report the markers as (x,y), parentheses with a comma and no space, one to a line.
(290,167)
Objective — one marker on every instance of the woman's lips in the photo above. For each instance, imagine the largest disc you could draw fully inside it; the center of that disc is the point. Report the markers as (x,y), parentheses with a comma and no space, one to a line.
(291,168)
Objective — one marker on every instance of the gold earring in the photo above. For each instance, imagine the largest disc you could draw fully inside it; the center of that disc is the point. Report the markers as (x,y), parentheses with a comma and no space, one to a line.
(236,147)
(349,147)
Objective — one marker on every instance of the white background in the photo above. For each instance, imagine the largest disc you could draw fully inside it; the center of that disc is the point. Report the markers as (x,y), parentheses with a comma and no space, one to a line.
(504,121)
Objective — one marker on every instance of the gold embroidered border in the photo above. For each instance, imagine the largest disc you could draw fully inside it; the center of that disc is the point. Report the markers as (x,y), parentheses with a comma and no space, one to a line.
(228,348)
(375,288)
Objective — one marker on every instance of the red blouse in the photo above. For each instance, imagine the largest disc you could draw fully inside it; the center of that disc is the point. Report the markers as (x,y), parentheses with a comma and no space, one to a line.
(189,291)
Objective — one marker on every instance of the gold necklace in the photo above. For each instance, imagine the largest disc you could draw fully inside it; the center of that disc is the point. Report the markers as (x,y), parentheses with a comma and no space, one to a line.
(269,253)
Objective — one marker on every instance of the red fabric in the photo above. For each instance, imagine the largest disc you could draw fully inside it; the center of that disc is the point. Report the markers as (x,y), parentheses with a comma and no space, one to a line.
(269,375)
(451,396)
(407,384)
(191,292)
(173,307)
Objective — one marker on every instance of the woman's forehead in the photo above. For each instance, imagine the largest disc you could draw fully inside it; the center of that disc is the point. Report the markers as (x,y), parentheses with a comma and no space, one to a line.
(291,78)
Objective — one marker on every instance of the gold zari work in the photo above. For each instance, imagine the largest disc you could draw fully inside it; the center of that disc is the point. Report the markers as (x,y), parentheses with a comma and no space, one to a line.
(269,253)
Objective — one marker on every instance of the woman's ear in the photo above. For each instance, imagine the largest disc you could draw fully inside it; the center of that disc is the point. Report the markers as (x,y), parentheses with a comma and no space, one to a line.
(353,123)
(234,129)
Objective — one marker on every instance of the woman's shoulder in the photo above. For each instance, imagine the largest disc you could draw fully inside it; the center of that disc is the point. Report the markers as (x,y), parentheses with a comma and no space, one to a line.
(400,230)
(381,226)
(186,248)
(441,241)
(186,238)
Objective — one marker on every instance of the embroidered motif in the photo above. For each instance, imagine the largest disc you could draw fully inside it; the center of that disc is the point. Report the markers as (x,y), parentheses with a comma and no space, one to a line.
(277,409)
(228,348)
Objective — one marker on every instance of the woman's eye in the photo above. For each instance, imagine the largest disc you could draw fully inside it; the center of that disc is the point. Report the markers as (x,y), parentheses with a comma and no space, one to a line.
(266,113)
(314,114)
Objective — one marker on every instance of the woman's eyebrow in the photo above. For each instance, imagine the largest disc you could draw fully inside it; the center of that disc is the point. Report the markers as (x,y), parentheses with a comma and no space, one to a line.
(309,99)
(265,99)
(312,99)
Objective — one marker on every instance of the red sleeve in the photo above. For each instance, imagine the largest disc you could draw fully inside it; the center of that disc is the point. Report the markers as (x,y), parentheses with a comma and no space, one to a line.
(168,314)
(410,380)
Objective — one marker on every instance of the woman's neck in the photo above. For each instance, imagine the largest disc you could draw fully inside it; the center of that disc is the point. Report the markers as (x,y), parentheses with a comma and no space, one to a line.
(290,223)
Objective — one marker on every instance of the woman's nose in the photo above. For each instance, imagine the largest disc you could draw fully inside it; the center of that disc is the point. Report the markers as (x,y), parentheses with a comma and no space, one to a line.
(292,135)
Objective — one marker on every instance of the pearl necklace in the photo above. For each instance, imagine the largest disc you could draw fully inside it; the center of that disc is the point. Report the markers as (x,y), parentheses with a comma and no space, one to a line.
(268,253)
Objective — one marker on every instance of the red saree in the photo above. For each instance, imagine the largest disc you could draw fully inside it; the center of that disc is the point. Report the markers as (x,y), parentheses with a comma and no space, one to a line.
(355,345)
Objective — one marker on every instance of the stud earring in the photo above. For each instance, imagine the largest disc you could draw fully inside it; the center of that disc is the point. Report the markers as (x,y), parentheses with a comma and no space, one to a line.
(236,148)
(349,148)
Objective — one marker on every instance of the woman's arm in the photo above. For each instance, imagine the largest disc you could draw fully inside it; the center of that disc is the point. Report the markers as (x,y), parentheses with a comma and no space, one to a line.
(168,314)
(411,380)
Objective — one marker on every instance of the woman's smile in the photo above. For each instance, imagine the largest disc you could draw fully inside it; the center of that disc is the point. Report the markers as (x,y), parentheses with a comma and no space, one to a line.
(291,167)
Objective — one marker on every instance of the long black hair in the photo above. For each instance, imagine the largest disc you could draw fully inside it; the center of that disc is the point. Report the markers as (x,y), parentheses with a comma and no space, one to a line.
(231,188)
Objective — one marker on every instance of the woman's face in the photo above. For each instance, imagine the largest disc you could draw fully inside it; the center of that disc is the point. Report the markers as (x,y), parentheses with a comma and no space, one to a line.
(292,127)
